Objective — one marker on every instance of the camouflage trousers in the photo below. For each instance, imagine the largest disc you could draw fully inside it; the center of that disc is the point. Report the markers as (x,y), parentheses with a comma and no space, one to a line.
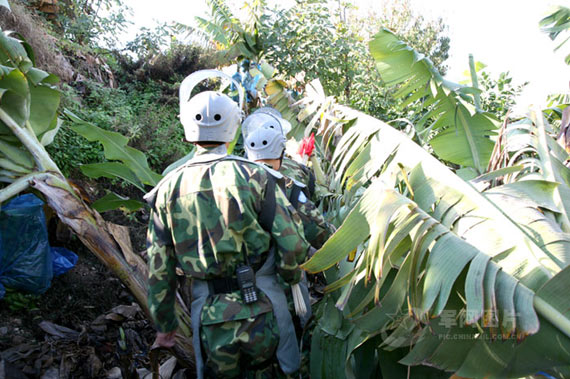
(241,348)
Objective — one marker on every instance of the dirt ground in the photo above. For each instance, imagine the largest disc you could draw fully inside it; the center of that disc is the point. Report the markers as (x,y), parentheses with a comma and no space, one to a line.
(74,329)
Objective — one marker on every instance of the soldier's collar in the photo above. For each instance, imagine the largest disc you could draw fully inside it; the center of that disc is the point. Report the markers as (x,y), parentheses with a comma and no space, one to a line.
(202,155)
(214,150)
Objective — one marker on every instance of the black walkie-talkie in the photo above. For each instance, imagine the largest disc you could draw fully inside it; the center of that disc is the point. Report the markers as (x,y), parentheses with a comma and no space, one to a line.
(246,281)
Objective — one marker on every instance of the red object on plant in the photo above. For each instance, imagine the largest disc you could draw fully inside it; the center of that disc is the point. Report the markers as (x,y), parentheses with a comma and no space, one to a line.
(307,146)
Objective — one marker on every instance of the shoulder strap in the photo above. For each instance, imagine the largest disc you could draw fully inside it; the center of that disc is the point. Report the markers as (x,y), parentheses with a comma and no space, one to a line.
(311,183)
(294,196)
(268,205)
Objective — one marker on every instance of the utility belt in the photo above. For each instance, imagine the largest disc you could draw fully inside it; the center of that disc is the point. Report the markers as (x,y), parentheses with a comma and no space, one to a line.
(223,285)
(243,281)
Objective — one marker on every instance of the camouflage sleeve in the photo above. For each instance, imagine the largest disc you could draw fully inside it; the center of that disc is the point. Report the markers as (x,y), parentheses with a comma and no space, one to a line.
(162,274)
(287,232)
(316,229)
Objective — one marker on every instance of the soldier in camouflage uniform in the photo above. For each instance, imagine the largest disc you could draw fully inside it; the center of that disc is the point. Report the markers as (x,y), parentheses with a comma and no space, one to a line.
(267,117)
(266,145)
(297,176)
(301,173)
(205,219)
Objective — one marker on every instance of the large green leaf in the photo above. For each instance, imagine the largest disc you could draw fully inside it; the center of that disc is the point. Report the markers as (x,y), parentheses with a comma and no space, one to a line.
(467,141)
(115,148)
(448,255)
(556,23)
(27,93)
(16,154)
(15,97)
(546,350)
(49,135)
(13,53)
(436,183)
(23,119)
(461,349)
(112,170)
(539,192)
(347,238)
(462,132)
(553,298)
(447,258)
(553,170)
(43,109)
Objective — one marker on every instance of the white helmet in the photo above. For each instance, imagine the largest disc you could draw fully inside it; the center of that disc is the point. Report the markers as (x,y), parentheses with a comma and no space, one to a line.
(265,143)
(265,117)
(209,116)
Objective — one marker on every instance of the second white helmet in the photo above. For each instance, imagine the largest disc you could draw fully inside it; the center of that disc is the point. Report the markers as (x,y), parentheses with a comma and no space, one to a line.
(265,117)
(264,144)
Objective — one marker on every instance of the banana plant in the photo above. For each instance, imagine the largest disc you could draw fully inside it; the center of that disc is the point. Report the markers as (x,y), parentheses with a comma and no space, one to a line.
(229,35)
(457,130)
(433,250)
(29,120)
(440,272)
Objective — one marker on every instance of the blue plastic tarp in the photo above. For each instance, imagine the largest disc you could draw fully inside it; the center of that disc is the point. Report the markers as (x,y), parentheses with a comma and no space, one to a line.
(27,262)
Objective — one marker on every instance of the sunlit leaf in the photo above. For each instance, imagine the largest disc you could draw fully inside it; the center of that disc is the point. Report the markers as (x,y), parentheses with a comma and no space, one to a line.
(115,148)
(112,201)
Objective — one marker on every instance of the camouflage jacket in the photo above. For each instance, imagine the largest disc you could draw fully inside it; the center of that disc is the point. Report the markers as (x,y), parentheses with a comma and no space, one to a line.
(316,229)
(301,173)
(202,217)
